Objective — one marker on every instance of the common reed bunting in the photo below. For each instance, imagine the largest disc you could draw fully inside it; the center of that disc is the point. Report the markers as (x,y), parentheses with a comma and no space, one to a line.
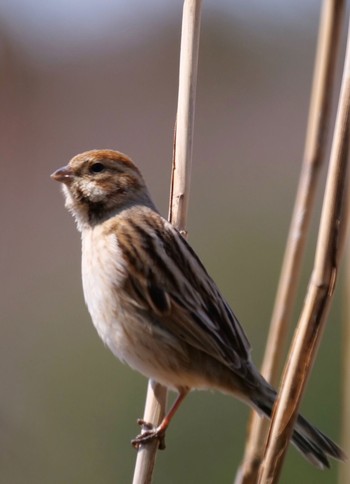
(152,301)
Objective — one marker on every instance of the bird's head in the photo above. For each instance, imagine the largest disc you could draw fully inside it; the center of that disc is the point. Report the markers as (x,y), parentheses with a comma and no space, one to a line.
(99,183)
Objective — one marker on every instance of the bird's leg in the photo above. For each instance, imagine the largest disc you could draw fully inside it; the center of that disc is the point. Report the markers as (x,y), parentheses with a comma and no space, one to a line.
(150,432)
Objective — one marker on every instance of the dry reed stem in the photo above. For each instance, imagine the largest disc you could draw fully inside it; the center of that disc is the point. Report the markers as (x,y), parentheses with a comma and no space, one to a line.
(319,294)
(181,167)
(317,130)
(154,412)
(179,195)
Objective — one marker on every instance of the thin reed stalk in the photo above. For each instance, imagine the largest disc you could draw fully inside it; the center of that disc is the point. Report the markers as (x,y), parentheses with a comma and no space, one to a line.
(314,152)
(178,206)
(319,295)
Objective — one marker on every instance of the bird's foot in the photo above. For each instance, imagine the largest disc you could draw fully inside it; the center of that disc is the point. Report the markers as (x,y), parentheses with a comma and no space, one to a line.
(149,433)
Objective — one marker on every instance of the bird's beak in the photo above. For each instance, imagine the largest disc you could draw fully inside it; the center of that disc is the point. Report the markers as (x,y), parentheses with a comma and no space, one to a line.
(63,175)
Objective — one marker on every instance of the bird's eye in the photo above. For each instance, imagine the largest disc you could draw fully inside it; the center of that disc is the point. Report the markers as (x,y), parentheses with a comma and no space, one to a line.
(97,168)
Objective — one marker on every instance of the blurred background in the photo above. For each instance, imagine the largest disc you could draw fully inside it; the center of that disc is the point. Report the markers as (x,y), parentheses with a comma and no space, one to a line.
(101,74)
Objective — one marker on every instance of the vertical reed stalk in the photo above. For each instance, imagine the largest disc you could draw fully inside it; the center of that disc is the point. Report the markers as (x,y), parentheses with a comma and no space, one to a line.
(319,295)
(316,139)
(179,196)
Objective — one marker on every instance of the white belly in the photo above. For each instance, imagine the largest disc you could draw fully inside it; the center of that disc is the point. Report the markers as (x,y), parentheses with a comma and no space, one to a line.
(102,272)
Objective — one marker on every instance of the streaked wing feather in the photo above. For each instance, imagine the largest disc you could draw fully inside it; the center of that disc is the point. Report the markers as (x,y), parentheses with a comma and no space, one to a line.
(169,282)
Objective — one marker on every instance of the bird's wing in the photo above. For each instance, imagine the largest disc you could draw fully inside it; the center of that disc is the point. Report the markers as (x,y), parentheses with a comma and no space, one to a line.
(168,281)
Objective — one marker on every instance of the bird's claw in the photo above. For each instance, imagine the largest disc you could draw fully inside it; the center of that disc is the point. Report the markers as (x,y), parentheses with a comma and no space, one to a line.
(149,433)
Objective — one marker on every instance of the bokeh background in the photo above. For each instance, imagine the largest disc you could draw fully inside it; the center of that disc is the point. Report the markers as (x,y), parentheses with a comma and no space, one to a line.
(101,74)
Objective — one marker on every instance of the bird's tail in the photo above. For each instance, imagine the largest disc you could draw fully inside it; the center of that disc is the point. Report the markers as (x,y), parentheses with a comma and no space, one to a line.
(311,442)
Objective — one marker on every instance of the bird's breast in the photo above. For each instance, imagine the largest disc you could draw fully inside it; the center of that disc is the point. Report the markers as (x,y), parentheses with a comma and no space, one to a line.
(103,272)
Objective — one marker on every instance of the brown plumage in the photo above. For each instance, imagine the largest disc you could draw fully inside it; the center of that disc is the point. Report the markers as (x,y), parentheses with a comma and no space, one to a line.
(152,301)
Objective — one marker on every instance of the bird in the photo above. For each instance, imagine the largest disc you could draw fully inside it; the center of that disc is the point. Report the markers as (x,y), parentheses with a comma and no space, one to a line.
(153,303)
